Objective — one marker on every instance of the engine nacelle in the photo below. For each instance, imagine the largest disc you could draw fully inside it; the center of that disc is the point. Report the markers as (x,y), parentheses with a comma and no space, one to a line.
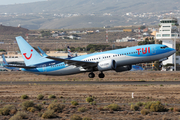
(107,65)
(123,68)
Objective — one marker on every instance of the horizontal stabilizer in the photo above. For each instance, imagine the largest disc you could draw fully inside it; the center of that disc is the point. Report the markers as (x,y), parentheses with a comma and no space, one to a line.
(26,67)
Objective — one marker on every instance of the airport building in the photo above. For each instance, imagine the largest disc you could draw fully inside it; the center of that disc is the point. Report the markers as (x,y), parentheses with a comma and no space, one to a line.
(169,33)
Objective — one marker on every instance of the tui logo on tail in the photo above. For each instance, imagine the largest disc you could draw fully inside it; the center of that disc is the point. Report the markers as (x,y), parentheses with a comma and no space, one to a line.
(28,58)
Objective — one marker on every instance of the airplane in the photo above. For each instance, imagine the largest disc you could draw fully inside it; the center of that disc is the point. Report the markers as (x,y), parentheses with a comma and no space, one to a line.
(118,60)
(5,64)
(70,55)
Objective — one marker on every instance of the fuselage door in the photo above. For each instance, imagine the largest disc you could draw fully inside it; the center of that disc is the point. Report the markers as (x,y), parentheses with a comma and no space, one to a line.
(153,50)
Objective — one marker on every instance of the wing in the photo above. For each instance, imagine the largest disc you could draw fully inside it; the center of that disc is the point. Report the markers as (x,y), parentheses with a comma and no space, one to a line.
(26,67)
(77,63)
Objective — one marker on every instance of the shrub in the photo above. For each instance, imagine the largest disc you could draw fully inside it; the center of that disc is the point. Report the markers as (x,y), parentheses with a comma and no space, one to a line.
(75,117)
(48,114)
(31,109)
(24,97)
(39,107)
(82,109)
(27,104)
(74,103)
(139,104)
(43,102)
(19,115)
(93,103)
(51,96)
(144,112)
(40,97)
(157,107)
(56,107)
(113,107)
(134,107)
(148,105)
(7,110)
(89,99)
(86,118)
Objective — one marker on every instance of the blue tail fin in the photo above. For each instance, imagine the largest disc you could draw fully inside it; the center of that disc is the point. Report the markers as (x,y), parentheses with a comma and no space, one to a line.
(42,52)
(30,55)
(4,61)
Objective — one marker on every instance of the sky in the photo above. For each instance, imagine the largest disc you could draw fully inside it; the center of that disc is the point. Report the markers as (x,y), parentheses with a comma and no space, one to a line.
(7,2)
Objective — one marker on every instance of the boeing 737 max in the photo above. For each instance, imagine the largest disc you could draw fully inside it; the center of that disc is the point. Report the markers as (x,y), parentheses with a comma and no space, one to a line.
(118,60)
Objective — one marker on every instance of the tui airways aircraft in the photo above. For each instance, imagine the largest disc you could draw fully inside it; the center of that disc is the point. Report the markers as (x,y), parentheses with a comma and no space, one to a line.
(118,60)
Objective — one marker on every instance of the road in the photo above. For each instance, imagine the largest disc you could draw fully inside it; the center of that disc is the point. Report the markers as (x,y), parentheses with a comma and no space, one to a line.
(92,82)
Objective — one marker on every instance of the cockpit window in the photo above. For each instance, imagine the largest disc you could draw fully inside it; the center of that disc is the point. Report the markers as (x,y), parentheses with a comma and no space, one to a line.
(164,47)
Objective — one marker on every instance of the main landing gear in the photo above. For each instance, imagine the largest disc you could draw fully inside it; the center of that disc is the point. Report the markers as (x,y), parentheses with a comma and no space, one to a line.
(92,75)
(101,75)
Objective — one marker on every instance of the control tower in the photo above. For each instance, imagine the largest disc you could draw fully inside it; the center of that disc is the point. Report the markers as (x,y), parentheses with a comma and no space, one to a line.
(169,33)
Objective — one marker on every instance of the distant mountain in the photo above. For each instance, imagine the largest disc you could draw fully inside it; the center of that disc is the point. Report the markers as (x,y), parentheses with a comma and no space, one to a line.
(93,6)
(89,13)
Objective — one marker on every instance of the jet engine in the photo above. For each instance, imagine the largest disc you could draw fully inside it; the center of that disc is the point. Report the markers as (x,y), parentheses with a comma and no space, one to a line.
(107,65)
(123,68)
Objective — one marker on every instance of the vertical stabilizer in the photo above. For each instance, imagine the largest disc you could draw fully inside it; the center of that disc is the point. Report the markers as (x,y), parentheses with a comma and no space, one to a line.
(69,52)
(30,55)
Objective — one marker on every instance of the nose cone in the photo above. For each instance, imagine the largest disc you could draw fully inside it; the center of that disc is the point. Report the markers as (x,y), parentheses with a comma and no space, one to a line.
(172,51)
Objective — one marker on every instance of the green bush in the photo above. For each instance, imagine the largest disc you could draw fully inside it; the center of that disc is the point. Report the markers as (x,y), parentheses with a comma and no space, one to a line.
(93,103)
(82,109)
(31,109)
(39,107)
(89,99)
(56,107)
(40,97)
(86,118)
(74,103)
(148,105)
(48,114)
(134,107)
(19,116)
(139,104)
(7,110)
(113,107)
(144,112)
(157,107)
(27,104)
(44,102)
(51,96)
(24,97)
(75,117)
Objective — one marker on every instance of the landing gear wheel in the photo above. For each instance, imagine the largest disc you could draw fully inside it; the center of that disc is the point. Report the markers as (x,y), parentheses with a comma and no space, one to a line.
(91,75)
(101,75)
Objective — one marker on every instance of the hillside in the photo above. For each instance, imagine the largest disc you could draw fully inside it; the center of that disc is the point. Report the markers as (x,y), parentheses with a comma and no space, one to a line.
(9,30)
(58,14)
(93,6)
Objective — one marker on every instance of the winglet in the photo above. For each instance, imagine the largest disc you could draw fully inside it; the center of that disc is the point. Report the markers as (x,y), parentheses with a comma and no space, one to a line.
(4,61)
(42,52)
